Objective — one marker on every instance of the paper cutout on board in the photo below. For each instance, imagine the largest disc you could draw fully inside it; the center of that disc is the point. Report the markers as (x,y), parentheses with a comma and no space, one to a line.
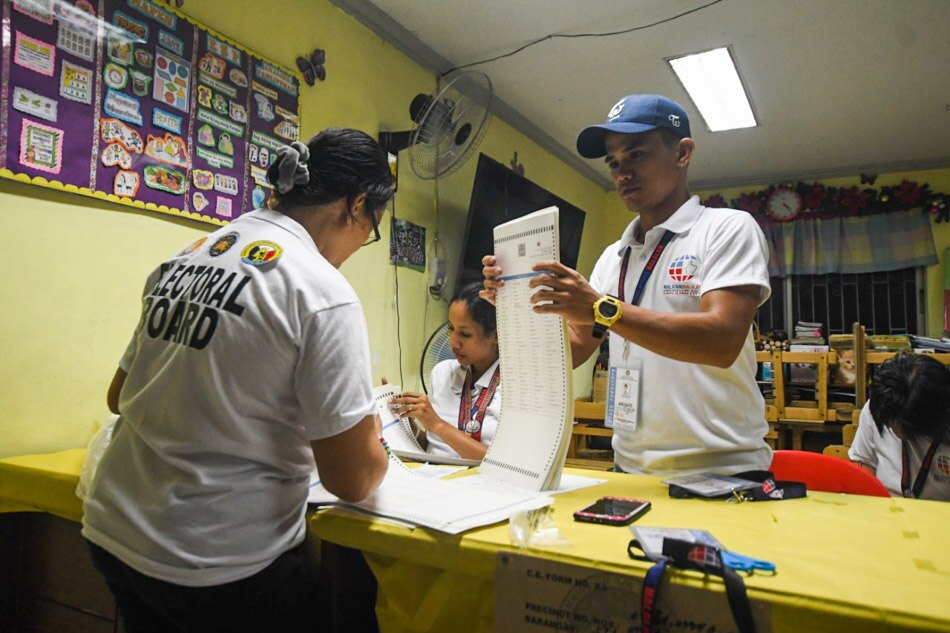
(120,50)
(137,30)
(287,114)
(140,83)
(286,130)
(126,183)
(258,197)
(166,120)
(237,112)
(172,80)
(41,10)
(113,130)
(214,159)
(41,147)
(220,104)
(223,124)
(276,77)
(206,135)
(223,87)
(115,76)
(114,154)
(77,29)
(168,41)
(225,50)
(144,58)
(169,149)
(122,106)
(203,179)
(265,109)
(34,54)
(261,89)
(34,104)
(212,65)
(223,207)
(237,76)
(199,201)
(259,176)
(164,178)
(163,17)
(225,145)
(226,184)
(75,83)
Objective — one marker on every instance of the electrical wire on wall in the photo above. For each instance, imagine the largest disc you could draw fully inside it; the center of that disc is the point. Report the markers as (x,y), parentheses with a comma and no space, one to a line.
(392,229)
(552,36)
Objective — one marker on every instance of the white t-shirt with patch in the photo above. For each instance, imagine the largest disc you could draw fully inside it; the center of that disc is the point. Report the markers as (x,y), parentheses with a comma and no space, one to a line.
(249,347)
(693,418)
(448,380)
(883,454)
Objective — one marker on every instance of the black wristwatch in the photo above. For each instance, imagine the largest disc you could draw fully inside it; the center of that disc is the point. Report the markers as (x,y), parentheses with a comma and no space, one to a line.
(606,312)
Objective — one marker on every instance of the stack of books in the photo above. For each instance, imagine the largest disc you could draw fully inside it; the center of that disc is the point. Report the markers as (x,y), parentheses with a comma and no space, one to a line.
(808,333)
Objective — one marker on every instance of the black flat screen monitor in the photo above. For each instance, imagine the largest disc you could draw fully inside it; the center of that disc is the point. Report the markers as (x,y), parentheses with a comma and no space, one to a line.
(499,195)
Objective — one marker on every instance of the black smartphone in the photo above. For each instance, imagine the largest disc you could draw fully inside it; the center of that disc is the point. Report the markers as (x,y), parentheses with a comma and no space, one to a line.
(613,511)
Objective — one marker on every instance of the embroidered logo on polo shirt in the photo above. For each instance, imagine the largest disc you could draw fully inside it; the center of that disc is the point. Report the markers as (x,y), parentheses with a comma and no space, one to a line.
(260,253)
(191,248)
(682,270)
(942,474)
(223,244)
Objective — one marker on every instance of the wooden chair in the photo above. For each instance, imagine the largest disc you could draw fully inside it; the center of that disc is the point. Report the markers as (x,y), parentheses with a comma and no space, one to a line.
(826,473)
(588,422)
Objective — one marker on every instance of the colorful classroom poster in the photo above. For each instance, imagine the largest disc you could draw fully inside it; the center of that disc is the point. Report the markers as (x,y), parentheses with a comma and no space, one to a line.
(133,99)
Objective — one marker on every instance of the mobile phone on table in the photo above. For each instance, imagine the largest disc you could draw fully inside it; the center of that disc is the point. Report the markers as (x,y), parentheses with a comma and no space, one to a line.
(613,511)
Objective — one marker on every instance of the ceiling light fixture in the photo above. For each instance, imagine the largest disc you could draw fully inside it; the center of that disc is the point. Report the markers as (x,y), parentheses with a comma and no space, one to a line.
(712,81)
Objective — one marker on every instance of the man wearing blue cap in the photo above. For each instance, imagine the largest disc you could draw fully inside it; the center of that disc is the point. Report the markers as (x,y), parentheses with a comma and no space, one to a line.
(677,292)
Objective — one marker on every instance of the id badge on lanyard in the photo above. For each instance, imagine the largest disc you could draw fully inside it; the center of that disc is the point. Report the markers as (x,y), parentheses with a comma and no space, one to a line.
(624,377)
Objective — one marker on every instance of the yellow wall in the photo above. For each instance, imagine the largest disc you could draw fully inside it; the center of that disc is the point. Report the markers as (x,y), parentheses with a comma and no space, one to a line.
(75,266)
(939,180)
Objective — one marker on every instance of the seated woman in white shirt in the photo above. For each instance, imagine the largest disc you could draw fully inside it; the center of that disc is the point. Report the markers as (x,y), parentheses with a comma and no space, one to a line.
(904,428)
(461,413)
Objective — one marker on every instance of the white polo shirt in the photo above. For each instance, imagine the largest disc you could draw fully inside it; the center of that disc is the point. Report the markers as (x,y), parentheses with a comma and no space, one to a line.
(883,454)
(448,380)
(693,417)
(237,364)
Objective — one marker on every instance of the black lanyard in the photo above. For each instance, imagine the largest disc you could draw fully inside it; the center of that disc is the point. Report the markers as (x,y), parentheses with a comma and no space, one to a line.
(473,416)
(696,556)
(647,270)
(921,478)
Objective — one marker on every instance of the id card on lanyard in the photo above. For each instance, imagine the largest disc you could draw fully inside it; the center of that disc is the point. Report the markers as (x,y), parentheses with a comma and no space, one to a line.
(623,379)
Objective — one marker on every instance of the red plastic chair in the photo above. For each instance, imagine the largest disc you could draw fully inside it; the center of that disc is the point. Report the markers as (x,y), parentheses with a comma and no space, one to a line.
(826,473)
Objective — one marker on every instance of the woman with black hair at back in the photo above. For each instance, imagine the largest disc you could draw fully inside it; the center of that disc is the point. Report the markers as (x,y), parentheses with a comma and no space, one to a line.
(249,364)
(460,416)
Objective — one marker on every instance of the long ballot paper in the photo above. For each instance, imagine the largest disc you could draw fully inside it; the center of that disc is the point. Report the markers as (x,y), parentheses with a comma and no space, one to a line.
(444,505)
(537,406)
(399,435)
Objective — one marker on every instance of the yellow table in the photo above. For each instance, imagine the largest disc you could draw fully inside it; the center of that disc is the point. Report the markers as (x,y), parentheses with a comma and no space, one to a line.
(845,562)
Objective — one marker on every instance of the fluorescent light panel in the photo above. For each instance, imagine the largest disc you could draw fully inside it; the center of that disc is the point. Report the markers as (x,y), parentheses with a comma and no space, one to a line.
(712,81)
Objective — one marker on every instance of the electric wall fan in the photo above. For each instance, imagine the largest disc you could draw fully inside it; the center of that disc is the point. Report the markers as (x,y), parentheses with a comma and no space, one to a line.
(436,350)
(448,125)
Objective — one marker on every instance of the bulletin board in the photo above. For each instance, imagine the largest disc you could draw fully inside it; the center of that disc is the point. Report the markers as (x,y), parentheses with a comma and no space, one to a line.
(134,102)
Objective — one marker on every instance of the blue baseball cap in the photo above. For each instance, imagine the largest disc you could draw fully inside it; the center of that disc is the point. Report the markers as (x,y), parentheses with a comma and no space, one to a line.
(634,114)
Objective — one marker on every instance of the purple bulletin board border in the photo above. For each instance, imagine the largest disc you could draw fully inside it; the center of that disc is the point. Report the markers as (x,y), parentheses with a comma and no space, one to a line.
(201,30)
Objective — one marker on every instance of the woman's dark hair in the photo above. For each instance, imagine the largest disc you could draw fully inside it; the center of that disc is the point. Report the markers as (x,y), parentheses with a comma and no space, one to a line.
(911,393)
(482,311)
(343,163)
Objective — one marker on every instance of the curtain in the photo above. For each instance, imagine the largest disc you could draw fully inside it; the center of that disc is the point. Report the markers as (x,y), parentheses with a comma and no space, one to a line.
(873,243)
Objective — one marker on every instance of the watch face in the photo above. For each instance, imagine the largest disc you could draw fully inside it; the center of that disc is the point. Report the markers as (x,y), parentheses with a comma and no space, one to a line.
(607,310)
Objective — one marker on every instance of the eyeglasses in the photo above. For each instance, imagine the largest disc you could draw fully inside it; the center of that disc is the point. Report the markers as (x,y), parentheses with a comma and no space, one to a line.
(376,236)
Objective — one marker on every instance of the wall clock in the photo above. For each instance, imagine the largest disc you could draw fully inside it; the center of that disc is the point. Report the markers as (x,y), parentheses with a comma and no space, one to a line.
(783,204)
